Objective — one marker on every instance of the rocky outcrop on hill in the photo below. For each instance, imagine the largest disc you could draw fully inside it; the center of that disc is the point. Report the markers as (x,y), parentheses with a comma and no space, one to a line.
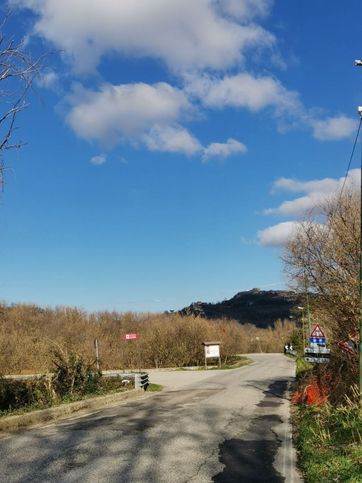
(258,307)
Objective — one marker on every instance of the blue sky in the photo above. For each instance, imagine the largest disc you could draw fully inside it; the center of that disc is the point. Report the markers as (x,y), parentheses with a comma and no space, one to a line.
(172,145)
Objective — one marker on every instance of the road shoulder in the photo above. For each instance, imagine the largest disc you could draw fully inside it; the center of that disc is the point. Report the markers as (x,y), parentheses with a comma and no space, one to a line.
(63,411)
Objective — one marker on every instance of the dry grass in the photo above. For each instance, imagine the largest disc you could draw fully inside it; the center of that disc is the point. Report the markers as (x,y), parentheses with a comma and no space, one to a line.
(29,335)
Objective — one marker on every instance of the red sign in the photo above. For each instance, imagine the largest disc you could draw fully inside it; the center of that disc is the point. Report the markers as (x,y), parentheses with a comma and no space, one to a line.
(317,332)
(349,345)
(131,337)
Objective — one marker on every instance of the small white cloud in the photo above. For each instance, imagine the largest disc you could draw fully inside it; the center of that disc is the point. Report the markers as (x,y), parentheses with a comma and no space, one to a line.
(126,111)
(98,160)
(223,150)
(174,139)
(316,192)
(279,234)
(333,128)
(299,206)
(47,79)
(242,90)
(326,185)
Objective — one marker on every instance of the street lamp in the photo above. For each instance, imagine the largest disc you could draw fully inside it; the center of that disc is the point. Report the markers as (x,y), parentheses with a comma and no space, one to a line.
(358,63)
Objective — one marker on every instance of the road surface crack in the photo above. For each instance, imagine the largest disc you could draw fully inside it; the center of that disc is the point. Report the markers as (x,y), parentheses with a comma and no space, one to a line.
(195,476)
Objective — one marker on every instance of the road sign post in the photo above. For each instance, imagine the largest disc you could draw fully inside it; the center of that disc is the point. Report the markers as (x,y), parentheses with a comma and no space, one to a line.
(317,352)
(130,337)
(96,346)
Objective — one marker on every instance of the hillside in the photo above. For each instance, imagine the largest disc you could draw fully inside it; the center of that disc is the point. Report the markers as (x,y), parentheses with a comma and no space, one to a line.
(258,307)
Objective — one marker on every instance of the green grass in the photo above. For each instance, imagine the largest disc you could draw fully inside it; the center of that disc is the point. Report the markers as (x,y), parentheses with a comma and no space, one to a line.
(328,439)
(239,361)
(290,356)
(154,387)
(302,367)
(329,442)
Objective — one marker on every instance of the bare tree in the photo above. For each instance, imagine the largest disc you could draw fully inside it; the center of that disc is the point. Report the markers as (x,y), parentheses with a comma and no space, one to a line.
(324,258)
(17,72)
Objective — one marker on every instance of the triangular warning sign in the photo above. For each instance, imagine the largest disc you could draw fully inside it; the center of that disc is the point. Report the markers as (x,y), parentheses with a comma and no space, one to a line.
(349,345)
(317,332)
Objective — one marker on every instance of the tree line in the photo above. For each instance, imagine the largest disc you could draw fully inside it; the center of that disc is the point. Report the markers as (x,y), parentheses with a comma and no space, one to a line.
(29,335)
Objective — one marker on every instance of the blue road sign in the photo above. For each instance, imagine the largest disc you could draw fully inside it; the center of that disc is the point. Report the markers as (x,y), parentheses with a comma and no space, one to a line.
(317,340)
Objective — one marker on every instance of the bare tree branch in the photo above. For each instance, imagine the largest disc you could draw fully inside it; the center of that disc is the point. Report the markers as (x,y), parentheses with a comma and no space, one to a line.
(17,73)
(325,259)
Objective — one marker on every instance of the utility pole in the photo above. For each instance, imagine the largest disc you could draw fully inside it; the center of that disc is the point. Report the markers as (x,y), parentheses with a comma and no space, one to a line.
(303,327)
(358,63)
(96,346)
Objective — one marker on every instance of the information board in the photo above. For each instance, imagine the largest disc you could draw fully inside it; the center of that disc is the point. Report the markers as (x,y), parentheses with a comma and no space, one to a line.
(212,351)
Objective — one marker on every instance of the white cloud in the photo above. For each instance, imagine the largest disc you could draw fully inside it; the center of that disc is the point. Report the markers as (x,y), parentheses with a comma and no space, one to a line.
(246,8)
(316,193)
(333,128)
(299,206)
(193,39)
(242,90)
(140,113)
(178,140)
(186,34)
(125,111)
(326,185)
(174,139)
(278,234)
(98,160)
(256,93)
(223,150)
(47,79)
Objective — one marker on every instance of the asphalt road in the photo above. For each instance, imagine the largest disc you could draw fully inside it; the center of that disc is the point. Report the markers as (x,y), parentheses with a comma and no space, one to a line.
(215,426)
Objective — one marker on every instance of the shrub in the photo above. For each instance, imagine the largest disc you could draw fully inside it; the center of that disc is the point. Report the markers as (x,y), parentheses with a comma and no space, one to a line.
(73,375)
(73,378)
(15,394)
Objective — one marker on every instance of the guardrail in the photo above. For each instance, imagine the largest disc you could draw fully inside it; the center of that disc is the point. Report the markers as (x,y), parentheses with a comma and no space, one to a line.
(141,379)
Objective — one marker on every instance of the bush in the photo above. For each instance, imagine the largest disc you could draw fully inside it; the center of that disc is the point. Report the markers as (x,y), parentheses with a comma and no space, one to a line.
(15,394)
(73,375)
(73,379)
